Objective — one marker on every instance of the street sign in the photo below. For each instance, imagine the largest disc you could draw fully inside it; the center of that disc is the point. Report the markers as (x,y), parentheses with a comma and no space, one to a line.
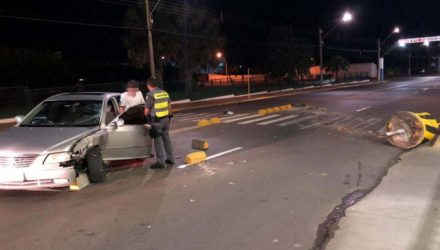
(419,40)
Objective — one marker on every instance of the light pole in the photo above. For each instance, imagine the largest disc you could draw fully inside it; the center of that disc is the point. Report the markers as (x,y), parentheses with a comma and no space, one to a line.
(380,60)
(220,56)
(347,17)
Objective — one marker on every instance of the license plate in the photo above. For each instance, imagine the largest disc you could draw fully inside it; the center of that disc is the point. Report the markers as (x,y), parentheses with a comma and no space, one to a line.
(11,175)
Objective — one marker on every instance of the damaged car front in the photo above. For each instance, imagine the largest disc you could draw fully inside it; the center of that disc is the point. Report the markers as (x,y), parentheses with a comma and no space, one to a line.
(48,146)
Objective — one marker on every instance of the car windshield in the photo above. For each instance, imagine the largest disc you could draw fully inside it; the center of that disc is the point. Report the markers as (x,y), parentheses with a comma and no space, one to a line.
(65,114)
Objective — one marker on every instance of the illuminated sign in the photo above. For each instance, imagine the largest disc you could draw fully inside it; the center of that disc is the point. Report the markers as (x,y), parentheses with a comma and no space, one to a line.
(424,40)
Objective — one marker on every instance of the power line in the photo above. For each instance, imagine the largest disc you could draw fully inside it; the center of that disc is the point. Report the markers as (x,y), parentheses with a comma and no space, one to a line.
(70,22)
(144,28)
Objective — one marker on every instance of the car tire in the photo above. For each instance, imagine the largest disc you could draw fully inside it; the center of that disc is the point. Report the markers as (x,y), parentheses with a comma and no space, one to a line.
(95,166)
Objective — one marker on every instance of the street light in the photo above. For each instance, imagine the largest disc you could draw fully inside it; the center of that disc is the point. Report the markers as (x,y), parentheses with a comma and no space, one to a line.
(219,55)
(380,60)
(347,17)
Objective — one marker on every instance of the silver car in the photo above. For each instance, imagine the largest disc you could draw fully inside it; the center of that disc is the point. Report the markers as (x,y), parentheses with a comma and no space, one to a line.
(70,134)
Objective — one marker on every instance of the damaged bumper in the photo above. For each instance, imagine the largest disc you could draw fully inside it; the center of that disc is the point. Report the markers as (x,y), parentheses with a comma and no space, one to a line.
(36,177)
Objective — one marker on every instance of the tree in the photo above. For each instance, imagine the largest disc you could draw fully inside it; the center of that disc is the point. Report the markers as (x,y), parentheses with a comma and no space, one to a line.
(287,55)
(338,63)
(187,38)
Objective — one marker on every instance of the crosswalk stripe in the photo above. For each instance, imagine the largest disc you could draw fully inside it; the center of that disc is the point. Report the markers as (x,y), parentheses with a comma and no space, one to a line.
(233,117)
(183,114)
(242,118)
(190,117)
(312,125)
(258,119)
(278,120)
(297,121)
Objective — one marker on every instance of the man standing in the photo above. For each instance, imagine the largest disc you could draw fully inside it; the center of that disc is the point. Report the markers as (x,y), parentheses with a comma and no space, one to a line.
(158,110)
(132,97)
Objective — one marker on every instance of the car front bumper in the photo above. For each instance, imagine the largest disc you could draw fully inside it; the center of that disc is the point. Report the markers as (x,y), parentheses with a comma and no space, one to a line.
(36,178)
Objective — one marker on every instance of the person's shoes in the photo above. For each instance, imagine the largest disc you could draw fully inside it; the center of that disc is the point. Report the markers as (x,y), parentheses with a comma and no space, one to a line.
(157,165)
(170,162)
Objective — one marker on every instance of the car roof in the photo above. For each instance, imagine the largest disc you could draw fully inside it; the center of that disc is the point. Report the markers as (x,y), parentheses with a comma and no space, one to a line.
(87,96)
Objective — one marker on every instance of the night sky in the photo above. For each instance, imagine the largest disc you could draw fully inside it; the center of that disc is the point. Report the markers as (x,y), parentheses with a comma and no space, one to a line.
(244,20)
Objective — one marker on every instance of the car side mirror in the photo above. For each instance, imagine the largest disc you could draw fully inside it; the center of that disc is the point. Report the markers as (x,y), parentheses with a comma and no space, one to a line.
(120,122)
(19,119)
(111,126)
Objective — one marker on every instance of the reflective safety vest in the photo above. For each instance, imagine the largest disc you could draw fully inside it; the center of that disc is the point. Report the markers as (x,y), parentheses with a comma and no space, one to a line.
(161,103)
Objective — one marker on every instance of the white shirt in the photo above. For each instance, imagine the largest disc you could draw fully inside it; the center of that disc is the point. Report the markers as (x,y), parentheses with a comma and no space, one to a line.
(131,101)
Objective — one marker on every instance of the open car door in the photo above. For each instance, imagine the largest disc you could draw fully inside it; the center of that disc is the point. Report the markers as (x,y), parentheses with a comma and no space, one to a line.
(127,139)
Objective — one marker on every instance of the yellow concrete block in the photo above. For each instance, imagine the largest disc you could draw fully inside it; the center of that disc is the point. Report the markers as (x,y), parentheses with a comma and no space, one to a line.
(81,182)
(200,145)
(203,123)
(283,107)
(289,106)
(195,157)
(277,109)
(262,112)
(215,120)
(270,110)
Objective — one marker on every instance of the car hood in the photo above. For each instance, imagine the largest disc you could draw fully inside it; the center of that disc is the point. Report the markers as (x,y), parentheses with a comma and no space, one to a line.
(38,140)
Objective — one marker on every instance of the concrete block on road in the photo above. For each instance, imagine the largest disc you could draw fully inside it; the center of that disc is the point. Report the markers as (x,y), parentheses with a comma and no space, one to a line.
(195,157)
(262,112)
(203,123)
(81,182)
(215,120)
(270,110)
(277,109)
(200,145)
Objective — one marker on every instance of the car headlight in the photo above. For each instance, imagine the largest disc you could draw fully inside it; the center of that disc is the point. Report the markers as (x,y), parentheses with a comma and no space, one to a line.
(57,158)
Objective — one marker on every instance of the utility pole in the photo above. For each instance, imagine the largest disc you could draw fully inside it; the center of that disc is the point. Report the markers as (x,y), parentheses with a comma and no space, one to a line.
(378,61)
(409,62)
(150,39)
(249,83)
(321,76)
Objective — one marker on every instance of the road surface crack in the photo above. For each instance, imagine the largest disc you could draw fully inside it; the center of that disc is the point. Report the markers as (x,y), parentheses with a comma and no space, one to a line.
(327,229)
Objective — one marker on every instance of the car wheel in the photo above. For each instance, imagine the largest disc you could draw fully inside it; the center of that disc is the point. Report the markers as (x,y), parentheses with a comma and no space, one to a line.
(95,166)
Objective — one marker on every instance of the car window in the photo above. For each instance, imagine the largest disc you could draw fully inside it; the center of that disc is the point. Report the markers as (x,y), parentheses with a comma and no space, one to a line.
(134,116)
(65,114)
(110,112)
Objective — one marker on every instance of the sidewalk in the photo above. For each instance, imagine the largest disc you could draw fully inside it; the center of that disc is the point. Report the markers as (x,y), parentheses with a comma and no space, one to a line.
(402,213)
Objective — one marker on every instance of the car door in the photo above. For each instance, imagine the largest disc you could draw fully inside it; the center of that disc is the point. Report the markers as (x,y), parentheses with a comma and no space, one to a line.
(128,141)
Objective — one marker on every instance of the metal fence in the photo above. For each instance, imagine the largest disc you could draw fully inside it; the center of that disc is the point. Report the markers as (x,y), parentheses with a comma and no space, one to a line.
(20,99)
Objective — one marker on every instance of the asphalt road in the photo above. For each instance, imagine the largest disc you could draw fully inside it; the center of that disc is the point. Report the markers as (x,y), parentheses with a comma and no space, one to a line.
(289,172)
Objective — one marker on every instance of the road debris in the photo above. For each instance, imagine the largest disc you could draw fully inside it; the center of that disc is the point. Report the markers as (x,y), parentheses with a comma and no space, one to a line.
(407,130)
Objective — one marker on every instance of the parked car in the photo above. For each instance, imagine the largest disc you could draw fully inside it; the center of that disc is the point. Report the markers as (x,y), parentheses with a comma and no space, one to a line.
(70,134)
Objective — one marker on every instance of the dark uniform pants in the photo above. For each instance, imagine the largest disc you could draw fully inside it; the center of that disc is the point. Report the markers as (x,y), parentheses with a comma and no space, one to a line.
(162,143)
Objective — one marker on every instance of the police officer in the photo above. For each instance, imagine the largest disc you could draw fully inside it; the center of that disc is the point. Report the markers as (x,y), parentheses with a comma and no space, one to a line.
(158,111)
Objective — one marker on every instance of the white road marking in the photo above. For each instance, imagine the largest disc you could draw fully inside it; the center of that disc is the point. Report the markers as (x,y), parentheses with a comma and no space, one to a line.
(190,117)
(147,177)
(174,131)
(213,156)
(360,124)
(425,89)
(362,109)
(183,114)
(311,125)
(259,119)
(233,117)
(346,119)
(278,120)
(297,121)
(242,118)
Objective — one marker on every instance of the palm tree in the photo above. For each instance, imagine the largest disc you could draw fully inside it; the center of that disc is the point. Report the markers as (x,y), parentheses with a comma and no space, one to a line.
(338,63)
